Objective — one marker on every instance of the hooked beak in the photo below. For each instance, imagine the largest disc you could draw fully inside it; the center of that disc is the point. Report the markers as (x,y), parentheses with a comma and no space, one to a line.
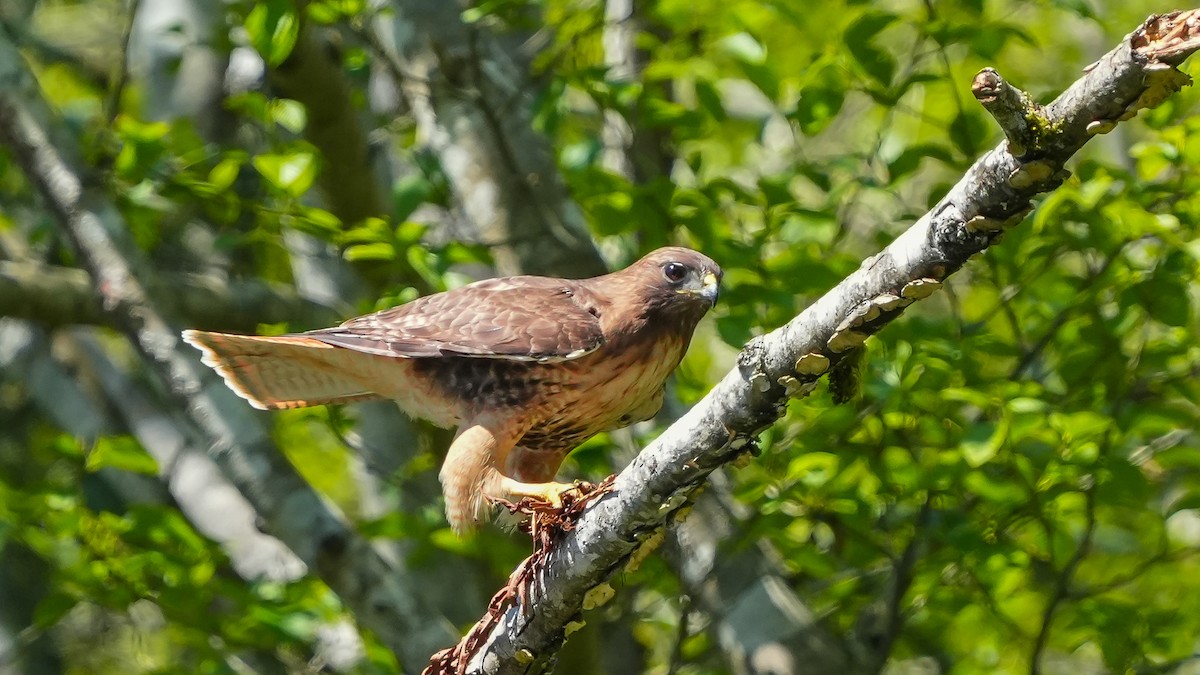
(708,288)
(711,288)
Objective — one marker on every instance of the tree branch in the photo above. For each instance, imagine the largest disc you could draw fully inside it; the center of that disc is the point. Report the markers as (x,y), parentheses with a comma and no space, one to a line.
(758,621)
(472,97)
(172,55)
(58,296)
(529,626)
(880,624)
(1062,585)
(312,74)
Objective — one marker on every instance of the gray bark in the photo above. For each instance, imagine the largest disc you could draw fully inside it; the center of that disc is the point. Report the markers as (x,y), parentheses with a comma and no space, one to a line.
(57,296)
(620,55)
(471,94)
(760,623)
(632,151)
(171,55)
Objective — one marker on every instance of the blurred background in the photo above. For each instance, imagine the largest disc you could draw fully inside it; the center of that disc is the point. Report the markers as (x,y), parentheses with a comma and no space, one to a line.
(1014,490)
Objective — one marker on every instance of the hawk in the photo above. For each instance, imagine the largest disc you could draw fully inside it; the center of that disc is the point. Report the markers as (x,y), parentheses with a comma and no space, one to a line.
(526,367)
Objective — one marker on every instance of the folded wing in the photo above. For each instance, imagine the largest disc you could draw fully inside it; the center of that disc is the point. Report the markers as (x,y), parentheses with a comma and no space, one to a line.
(516,318)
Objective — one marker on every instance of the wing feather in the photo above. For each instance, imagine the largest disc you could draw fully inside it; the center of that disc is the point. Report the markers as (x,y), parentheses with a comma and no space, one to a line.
(516,318)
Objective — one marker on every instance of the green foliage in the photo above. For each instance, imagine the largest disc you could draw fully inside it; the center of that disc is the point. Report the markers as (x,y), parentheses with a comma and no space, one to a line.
(123,452)
(136,559)
(1029,434)
(1023,413)
(273,27)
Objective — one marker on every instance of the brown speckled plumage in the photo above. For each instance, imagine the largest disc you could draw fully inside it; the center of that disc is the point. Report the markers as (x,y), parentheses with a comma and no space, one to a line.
(527,367)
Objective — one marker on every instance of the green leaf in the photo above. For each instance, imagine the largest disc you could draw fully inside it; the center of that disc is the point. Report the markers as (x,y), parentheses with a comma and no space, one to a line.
(377,251)
(744,47)
(132,129)
(1080,426)
(324,13)
(910,158)
(120,452)
(859,37)
(817,107)
(660,113)
(1165,295)
(409,233)
(821,98)
(53,607)
(369,230)
(982,441)
(226,171)
(710,99)
(273,27)
(293,173)
(288,114)
(408,194)
(504,10)
(968,131)
(1023,405)
(447,540)
(320,221)
(813,469)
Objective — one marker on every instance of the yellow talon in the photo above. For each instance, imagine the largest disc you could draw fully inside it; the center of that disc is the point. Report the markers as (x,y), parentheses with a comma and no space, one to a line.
(546,492)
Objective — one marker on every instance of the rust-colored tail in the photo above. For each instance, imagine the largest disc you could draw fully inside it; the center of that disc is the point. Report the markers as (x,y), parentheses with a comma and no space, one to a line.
(272,373)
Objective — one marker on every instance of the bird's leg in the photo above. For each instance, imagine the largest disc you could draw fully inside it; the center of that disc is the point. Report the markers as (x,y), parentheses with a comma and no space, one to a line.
(469,472)
(485,464)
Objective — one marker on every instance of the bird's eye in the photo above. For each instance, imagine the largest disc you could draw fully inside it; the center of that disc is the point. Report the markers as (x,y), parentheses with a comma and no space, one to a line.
(675,272)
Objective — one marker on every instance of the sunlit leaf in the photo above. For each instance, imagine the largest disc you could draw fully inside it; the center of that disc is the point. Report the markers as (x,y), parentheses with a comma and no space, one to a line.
(860,36)
(982,441)
(273,27)
(293,173)
(120,452)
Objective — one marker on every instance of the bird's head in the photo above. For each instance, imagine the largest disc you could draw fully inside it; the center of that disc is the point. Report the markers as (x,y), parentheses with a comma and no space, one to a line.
(678,282)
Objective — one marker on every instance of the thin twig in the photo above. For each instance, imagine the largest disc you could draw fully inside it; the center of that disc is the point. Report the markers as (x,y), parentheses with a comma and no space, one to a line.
(1063,582)
(112,106)
(681,635)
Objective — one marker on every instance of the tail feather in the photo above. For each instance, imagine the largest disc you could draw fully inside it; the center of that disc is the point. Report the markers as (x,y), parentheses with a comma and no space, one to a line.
(273,373)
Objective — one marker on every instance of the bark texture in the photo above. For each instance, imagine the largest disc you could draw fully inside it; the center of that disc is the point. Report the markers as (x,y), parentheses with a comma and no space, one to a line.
(472,95)
(57,296)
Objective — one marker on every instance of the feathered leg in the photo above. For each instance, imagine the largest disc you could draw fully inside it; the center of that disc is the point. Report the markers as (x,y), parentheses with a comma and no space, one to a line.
(470,473)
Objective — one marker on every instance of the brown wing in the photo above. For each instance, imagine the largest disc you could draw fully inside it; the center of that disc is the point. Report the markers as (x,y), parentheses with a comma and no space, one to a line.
(517,318)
